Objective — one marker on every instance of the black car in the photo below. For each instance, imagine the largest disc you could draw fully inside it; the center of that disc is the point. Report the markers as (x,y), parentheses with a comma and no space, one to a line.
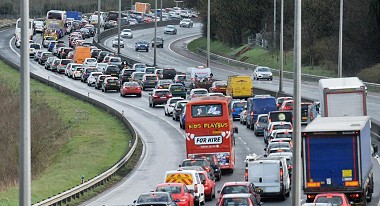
(155,199)
(100,80)
(125,75)
(111,83)
(65,52)
(168,73)
(112,70)
(95,53)
(214,162)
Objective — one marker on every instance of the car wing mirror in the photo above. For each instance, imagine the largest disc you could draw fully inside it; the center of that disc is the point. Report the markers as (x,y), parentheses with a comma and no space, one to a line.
(236,130)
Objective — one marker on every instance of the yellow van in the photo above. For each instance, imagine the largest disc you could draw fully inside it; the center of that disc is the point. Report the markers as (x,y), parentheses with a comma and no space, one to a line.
(81,53)
(239,86)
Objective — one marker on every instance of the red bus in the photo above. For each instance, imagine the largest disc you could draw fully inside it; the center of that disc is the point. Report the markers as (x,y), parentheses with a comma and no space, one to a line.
(209,129)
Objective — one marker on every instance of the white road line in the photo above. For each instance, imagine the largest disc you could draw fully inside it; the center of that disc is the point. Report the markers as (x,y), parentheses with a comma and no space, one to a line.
(245,144)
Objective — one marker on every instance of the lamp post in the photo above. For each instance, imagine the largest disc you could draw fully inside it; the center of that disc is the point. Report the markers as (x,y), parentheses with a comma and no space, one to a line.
(274,24)
(281,80)
(340,69)
(208,33)
(119,29)
(99,2)
(24,131)
(155,37)
(297,169)
(161,11)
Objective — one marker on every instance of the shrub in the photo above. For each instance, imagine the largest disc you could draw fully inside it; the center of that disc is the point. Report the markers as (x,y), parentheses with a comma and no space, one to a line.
(371,74)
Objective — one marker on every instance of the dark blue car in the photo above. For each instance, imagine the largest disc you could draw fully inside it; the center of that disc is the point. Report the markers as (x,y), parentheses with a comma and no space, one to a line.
(51,46)
(259,105)
(142,45)
(236,107)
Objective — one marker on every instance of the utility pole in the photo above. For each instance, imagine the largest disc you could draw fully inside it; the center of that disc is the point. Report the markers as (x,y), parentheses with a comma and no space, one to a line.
(340,69)
(274,24)
(297,169)
(24,135)
(161,11)
(281,82)
(119,29)
(208,33)
(155,36)
(99,2)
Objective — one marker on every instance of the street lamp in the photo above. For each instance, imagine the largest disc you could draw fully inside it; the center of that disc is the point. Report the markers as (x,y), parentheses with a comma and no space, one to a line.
(99,2)
(208,33)
(155,36)
(281,80)
(118,29)
(340,69)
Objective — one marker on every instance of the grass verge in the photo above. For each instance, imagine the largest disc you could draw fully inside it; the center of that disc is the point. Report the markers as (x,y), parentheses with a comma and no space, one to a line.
(256,56)
(96,141)
(121,173)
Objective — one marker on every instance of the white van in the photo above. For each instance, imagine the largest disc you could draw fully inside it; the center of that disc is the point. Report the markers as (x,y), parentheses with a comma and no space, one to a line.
(196,73)
(271,175)
(191,179)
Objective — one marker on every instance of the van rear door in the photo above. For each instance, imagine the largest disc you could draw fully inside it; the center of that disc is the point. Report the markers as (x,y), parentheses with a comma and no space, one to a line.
(265,175)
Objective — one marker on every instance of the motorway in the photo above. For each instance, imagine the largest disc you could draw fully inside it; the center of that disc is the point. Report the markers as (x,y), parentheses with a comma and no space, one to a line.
(164,141)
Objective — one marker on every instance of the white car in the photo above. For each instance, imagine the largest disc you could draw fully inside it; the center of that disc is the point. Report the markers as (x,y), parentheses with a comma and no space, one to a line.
(77,72)
(90,62)
(33,47)
(39,26)
(115,43)
(101,66)
(169,106)
(186,23)
(92,78)
(217,94)
(243,116)
(70,69)
(262,73)
(199,92)
(126,33)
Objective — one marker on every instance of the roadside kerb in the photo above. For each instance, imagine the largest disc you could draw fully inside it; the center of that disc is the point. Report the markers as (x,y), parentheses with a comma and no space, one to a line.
(77,191)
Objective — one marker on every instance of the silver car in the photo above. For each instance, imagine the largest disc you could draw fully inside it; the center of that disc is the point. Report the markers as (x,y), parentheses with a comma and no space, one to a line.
(186,23)
(262,73)
(170,29)
(126,33)
(115,43)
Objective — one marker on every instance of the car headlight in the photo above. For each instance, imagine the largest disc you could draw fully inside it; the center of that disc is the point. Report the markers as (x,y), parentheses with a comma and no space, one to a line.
(270,74)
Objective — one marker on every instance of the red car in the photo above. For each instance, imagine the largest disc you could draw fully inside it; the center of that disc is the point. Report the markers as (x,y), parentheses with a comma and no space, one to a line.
(218,86)
(333,198)
(130,88)
(159,96)
(209,184)
(287,105)
(238,187)
(179,193)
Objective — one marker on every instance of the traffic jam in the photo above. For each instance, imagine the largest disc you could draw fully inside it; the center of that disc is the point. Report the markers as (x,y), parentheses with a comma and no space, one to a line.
(208,111)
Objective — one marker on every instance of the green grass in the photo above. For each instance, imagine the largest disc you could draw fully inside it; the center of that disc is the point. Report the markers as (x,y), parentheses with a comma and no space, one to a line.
(96,141)
(256,56)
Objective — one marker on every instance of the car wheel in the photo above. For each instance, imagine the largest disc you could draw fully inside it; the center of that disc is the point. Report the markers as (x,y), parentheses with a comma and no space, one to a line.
(147,50)
(247,125)
(173,117)
(166,114)
(150,105)
(251,126)
(153,105)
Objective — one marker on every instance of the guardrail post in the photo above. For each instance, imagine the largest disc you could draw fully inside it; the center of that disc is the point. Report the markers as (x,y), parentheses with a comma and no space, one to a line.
(82,179)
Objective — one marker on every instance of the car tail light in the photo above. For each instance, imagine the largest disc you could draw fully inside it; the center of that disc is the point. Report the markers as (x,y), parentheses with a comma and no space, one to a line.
(233,110)
(183,199)
(170,105)
(310,196)
(281,174)
(246,175)
(356,195)
(207,169)
(155,96)
(169,96)
(195,188)
(252,113)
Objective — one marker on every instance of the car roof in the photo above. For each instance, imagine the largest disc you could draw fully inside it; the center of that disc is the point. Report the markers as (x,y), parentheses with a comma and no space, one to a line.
(158,90)
(197,168)
(279,123)
(171,184)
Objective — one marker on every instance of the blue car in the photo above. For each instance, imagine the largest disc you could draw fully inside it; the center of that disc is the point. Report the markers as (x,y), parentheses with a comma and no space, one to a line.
(182,118)
(259,105)
(142,45)
(236,107)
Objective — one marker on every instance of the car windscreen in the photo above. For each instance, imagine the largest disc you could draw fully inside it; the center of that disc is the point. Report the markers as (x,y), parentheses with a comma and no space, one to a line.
(150,77)
(181,78)
(91,60)
(284,135)
(201,163)
(113,69)
(173,101)
(149,70)
(35,46)
(131,84)
(65,61)
(95,74)
(263,119)
(208,110)
(239,104)
(115,60)
(235,189)
(169,71)
(181,105)
(281,126)
(263,70)
(200,92)
(112,80)
(169,189)
(177,88)
(162,93)
(47,54)
(153,198)
(139,75)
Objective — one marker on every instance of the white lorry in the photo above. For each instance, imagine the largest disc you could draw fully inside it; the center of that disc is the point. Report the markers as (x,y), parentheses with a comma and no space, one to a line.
(342,97)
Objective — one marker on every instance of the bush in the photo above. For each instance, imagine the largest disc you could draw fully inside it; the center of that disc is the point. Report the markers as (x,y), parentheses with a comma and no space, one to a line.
(371,74)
